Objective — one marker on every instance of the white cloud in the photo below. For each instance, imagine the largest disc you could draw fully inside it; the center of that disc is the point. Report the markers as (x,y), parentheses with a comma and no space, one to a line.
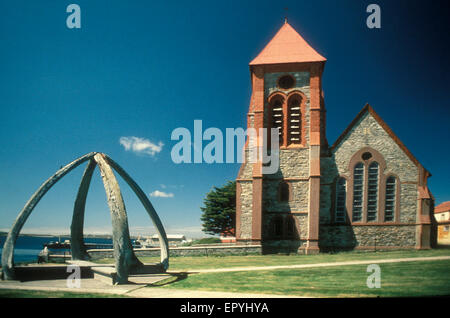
(161,194)
(140,145)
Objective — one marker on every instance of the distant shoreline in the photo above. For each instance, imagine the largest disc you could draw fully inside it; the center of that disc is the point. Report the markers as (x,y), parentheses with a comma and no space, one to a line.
(105,236)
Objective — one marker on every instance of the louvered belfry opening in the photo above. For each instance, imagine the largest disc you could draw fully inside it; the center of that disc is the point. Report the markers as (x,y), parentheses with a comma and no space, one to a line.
(277,117)
(294,120)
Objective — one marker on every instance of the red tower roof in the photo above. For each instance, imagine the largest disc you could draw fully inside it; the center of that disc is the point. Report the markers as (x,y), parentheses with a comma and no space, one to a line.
(287,46)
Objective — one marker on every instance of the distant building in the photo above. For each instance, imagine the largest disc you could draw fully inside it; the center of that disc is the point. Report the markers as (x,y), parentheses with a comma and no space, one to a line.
(228,236)
(172,238)
(442,216)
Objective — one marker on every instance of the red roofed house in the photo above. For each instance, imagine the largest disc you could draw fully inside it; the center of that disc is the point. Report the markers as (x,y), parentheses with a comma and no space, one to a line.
(366,191)
(228,236)
(442,216)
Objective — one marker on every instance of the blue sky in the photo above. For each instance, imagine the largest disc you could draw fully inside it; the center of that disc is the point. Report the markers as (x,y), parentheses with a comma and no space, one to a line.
(144,68)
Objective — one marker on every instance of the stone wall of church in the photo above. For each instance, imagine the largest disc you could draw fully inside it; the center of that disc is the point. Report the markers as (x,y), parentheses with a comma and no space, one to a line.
(328,175)
(301,221)
(367,236)
(408,203)
(301,82)
(302,225)
(294,163)
(299,196)
(246,200)
(246,168)
(368,133)
(292,245)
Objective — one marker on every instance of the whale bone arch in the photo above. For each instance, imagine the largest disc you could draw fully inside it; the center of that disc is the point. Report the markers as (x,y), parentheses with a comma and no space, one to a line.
(125,259)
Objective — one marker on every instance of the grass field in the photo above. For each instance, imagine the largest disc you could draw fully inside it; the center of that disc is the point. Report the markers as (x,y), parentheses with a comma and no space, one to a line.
(431,278)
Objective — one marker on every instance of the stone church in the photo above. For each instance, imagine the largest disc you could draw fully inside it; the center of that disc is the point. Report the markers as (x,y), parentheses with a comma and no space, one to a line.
(365,191)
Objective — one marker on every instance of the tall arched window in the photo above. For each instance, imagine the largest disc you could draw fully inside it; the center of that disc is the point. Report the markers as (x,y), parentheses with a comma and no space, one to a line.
(290,227)
(372,192)
(277,227)
(283,191)
(358,192)
(285,114)
(341,194)
(277,117)
(294,120)
(375,194)
(390,201)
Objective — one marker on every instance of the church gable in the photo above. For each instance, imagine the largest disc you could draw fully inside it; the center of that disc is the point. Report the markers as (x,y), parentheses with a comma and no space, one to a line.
(371,176)
(370,132)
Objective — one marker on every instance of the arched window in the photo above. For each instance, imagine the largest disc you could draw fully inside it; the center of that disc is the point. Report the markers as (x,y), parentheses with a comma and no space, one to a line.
(294,120)
(277,117)
(358,192)
(285,114)
(277,227)
(372,192)
(290,227)
(390,202)
(375,194)
(283,191)
(341,194)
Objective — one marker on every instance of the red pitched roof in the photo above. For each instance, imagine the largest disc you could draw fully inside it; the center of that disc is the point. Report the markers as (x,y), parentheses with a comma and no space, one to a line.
(443,207)
(287,46)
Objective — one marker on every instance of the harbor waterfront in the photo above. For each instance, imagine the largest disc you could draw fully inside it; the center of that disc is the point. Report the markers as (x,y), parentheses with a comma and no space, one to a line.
(28,246)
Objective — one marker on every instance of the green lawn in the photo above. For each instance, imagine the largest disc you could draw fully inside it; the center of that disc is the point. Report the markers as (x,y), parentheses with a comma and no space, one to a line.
(183,263)
(431,278)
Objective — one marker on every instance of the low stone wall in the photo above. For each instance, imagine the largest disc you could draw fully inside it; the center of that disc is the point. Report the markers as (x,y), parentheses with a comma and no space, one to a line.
(284,247)
(185,251)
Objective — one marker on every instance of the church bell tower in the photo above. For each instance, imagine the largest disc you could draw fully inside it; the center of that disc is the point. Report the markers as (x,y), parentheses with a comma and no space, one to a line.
(281,210)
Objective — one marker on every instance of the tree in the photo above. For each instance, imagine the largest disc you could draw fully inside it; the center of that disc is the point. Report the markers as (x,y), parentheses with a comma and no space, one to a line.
(219,210)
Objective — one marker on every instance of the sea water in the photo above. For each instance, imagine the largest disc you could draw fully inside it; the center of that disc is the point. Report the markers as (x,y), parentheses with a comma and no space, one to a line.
(27,248)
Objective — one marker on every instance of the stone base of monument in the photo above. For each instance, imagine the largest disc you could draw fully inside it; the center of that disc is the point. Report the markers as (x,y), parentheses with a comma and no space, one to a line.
(32,272)
(146,274)
(108,276)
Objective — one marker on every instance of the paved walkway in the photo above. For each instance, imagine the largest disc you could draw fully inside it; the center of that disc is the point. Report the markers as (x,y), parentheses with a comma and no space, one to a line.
(90,285)
(140,290)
